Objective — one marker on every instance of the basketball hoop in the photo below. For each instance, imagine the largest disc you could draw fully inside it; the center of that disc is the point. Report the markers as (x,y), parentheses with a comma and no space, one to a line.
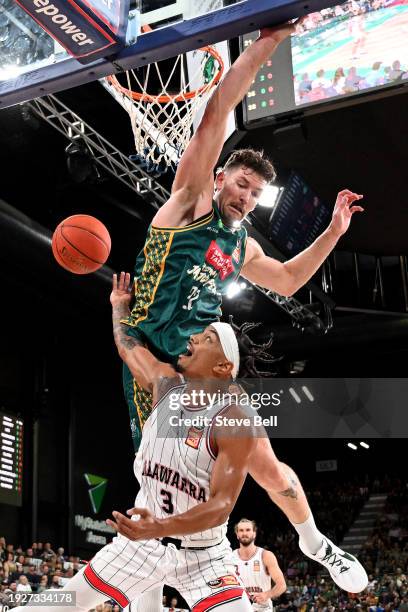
(162,122)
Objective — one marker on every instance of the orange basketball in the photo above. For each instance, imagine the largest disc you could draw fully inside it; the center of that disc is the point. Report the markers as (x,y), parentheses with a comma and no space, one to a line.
(81,244)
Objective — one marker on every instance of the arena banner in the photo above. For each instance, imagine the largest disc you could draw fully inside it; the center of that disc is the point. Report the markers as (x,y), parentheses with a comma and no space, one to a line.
(87,29)
(93,503)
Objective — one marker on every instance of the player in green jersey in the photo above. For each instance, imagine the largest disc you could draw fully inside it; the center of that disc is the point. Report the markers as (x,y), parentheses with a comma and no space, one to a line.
(196,246)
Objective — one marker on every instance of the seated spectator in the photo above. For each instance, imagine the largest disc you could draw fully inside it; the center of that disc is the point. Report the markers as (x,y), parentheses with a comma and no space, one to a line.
(48,554)
(55,582)
(45,571)
(9,565)
(305,84)
(33,577)
(43,585)
(320,80)
(374,77)
(15,576)
(23,585)
(352,79)
(339,81)
(36,552)
(60,556)
(396,72)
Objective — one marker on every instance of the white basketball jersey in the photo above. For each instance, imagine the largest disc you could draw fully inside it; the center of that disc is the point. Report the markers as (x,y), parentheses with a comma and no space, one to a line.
(175,461)
(254,576)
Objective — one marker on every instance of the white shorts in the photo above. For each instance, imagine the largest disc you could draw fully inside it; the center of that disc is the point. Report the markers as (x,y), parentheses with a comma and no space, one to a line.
(123,570)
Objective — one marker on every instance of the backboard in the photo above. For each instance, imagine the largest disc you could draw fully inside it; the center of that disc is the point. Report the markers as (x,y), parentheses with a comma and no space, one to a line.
(32,64)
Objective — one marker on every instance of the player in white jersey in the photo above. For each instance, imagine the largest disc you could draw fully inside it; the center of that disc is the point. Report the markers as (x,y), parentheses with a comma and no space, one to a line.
(344,568)
(205,488)
(257,568)
(190,477)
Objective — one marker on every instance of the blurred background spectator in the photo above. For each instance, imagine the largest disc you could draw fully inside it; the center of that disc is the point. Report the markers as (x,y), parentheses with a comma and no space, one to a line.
(384,554)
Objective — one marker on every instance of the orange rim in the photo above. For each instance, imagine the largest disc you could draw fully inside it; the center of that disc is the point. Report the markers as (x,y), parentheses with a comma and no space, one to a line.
(162,99)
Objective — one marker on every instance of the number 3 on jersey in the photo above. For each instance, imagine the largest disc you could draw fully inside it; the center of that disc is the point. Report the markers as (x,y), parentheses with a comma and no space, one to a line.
(167,505)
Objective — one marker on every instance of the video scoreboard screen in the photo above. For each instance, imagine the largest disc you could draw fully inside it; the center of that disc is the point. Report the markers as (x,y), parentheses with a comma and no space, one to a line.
(299,217)
(346,51)
(11,459)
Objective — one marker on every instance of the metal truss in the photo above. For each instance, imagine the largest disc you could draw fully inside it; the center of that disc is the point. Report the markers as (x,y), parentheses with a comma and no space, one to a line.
(68,123)
(121,167)
(302,317)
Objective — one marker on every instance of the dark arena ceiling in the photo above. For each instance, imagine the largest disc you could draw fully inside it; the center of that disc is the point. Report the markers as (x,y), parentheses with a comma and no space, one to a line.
(361,146)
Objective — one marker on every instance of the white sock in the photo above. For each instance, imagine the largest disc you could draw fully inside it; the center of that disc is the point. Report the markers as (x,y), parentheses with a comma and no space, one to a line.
(309,534)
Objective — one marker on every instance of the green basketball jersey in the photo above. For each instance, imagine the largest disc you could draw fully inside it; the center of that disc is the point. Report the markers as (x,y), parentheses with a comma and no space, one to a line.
(181,275)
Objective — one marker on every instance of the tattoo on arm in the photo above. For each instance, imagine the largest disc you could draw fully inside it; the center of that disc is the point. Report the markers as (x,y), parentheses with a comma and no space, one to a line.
(119,312)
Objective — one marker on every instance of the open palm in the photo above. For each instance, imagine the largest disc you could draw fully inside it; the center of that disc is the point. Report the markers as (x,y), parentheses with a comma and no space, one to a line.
(121,289)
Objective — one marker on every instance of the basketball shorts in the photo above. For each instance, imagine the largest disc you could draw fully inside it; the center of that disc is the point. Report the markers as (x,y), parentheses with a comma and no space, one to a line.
(123,570)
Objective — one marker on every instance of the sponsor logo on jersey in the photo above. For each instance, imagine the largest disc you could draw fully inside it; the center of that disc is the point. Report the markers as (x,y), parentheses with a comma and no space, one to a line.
(219,260)
(224,581)
(257,566)
(194,436)
(205,275)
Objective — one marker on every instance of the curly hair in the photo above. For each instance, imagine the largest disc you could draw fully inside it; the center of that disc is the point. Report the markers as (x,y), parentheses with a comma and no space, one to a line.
(252,354)
(254,160)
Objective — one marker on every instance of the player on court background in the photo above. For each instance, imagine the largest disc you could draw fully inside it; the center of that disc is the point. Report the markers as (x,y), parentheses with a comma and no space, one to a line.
(257,567)
(196,246)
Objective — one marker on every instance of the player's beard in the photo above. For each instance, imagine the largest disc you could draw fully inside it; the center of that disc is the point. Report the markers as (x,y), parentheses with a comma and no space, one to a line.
(247,542)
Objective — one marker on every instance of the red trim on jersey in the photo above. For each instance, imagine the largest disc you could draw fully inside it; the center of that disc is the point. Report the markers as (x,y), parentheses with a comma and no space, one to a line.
(213,601)
(103,587)
(210,441)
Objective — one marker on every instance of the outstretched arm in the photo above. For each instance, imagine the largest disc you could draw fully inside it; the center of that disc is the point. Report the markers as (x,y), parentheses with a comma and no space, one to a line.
(192,189)
(144,366)
(227,479)
(288,277)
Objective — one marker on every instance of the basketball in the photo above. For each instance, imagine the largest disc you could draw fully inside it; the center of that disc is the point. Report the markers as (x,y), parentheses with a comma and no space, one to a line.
(81,244)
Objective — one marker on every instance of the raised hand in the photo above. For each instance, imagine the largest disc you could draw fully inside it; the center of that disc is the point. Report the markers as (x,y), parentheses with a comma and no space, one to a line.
(280,32)
(344,210)
(121,289)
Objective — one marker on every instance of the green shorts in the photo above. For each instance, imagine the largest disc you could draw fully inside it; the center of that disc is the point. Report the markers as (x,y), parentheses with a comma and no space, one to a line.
(138,400)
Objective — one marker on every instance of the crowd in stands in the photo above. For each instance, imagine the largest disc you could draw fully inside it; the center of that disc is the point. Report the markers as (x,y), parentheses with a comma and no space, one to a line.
(346,9)
(384,554)
(312,88)
(351,21)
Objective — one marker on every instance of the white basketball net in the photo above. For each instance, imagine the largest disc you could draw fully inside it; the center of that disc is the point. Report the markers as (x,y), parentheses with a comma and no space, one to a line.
(162,122)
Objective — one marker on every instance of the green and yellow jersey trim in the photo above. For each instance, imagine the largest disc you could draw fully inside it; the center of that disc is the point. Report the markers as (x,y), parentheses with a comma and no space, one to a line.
(194,225)
(156,250)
